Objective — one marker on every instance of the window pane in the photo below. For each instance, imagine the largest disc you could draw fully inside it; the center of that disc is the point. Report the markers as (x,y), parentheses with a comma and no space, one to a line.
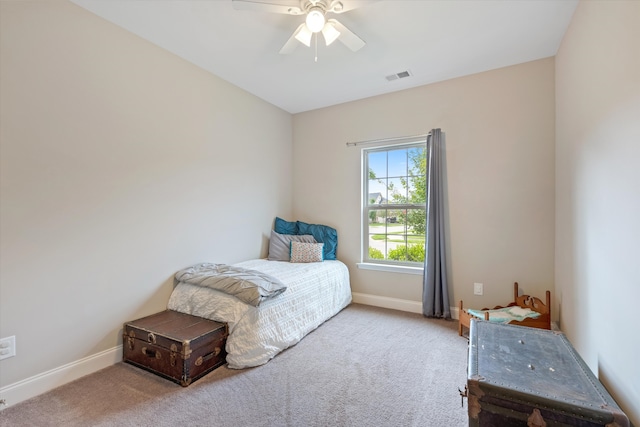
(398,162)
(417,190)
(416,153)
(417,179)
(377,191)
(377,242)
(377,220)
(416,222)
(397,191)
(377,161)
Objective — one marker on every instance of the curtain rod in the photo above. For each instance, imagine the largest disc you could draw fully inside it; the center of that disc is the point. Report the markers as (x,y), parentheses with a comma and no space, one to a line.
(382,141)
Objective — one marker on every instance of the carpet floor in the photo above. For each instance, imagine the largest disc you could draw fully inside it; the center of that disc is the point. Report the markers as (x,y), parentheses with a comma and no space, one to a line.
(366,366)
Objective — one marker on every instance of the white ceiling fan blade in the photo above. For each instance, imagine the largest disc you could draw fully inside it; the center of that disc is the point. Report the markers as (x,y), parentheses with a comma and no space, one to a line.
(292,43)
(347,37)
(339,6)
(286,8)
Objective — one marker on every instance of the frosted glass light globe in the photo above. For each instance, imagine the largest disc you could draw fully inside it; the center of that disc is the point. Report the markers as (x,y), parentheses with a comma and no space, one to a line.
(315,20)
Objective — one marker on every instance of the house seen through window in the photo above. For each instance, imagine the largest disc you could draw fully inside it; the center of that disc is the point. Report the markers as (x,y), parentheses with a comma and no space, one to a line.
(394,204)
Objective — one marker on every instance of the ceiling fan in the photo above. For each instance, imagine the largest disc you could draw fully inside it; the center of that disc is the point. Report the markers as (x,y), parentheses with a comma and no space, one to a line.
(315,22)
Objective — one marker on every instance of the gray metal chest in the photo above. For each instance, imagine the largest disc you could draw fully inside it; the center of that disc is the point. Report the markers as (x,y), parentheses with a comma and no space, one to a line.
(520,376)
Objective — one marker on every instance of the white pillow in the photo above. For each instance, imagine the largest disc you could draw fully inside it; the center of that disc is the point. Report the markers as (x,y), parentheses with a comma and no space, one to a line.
(306,252)
(279,245)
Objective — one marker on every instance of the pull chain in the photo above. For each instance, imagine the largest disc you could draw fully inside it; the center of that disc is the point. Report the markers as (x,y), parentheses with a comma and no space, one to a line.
(315,36)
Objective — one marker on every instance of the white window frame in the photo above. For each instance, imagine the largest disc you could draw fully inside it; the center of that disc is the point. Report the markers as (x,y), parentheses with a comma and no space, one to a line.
(376,264)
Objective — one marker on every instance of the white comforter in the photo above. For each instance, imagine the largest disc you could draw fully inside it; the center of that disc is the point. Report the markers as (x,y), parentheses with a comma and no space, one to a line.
(315,292)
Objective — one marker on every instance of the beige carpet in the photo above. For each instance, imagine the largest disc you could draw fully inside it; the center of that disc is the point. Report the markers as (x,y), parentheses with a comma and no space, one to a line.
(366,366)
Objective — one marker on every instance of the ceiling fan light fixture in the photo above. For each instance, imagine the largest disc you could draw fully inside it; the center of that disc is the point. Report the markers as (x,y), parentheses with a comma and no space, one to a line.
(315,19)
(303,35)
(330,33)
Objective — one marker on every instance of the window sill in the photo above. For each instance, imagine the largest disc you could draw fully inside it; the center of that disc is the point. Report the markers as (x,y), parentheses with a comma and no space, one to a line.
(390,268)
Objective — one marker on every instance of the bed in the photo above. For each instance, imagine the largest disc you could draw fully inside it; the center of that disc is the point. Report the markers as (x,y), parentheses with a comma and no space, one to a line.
(315,291)
(525,310)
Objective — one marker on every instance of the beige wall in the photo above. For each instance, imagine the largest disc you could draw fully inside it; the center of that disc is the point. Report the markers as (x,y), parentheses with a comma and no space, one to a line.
(598,192)
(121,163)
(499,128)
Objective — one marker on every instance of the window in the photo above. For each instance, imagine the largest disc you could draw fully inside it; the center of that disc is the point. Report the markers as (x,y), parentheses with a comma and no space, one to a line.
(394,204)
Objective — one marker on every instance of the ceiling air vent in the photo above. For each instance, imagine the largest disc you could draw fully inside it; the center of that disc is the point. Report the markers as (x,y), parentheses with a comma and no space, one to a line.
(400,75)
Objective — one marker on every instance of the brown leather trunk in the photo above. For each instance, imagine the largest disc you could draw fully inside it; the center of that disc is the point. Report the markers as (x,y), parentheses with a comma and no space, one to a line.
(176,346)
(519,376)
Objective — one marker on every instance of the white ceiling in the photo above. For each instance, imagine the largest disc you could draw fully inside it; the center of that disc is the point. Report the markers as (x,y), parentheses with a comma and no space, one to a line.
(434,40)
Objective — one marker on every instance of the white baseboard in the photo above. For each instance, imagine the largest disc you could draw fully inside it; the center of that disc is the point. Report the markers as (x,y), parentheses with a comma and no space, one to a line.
(41,383)
(394,303)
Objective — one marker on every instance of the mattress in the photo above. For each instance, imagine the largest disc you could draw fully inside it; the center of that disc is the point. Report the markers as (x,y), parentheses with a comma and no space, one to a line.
(315,292)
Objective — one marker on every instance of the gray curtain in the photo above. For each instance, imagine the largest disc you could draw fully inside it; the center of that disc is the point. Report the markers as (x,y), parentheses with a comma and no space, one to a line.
(435,293)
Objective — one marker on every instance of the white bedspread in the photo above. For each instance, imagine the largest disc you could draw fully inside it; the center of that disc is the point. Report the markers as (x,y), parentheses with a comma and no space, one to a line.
(315,292)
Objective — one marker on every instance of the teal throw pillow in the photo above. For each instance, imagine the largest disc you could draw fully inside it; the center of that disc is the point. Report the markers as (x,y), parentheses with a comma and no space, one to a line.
(286,227)
(322,234)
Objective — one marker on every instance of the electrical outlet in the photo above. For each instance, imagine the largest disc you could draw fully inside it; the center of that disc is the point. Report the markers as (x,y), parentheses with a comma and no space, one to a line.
(477,288)
(7,347)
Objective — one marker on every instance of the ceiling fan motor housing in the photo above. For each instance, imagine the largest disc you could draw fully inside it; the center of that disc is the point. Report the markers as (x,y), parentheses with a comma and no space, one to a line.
(334,6)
